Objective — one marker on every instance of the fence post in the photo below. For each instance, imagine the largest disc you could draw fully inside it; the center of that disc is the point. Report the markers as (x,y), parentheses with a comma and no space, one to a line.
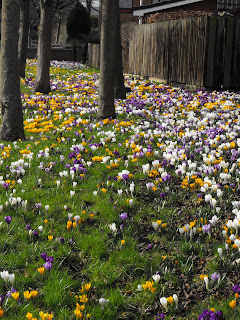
(211,48)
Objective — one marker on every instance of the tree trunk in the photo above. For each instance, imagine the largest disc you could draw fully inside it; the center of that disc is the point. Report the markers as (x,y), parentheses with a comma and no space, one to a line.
(119,89)
(10,101)
(42,83)
(23,36)
(106,106)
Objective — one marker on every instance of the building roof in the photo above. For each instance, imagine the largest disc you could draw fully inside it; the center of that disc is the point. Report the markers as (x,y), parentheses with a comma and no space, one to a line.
(222,5)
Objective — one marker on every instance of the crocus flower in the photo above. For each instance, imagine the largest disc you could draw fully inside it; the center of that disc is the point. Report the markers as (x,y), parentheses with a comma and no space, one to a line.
(156,278)
(38,205)
(236,288)
(160,316)
(48,266)
(8,219)
(35,233)
(215,276)
(43,256)
(206,228)
(123,216)
(220,252)
(164,303)
(103,302)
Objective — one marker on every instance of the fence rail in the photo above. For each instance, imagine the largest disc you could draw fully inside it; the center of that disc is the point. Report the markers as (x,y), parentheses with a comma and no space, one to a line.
(201,51)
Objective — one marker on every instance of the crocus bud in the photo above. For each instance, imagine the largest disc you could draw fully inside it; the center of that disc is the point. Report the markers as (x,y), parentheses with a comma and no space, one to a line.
(206,282)
(220,252)
(175,298)
(164,302)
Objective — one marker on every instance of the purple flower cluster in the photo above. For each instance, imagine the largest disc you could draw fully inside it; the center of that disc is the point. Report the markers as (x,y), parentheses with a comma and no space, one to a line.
(48,261)
(211,315)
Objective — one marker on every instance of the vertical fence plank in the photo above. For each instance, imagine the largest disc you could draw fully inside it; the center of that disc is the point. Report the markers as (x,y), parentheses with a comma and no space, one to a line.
(212,25)
(228,53)
(235,74)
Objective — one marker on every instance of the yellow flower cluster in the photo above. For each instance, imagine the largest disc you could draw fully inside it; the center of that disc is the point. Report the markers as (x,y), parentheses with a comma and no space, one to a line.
(46,316)
(79,311)
(30,294)
(149,286)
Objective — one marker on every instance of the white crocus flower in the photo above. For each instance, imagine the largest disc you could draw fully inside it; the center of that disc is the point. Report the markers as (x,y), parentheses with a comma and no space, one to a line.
(113,227)
(103,302)
(164,302)
(214,220)
(120,192)
(175,298)
(11,278)
(206,282)
(72,193)
(155,225)
(139,287)
(220,252)
(156,278)
(5,275)
(77,218)
(131,202)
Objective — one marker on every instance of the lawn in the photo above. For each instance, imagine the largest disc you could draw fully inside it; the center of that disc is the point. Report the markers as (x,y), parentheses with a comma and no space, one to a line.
(128,218)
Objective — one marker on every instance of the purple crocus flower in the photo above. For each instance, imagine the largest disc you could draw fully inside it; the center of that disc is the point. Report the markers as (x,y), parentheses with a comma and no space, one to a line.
(2,297)
(219,315)
(123,216)
(35,233)
(61,240)
(236,288)
(43,256)
(215,276)
(28,227)
(49,259)
(5,185)
(160,316)
(206,228)
(38,205)
(9,293)
(162,195)
(125,177)
(8,219)
(48,266)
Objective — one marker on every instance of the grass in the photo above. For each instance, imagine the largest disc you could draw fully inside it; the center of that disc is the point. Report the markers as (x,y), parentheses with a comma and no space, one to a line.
(64,190)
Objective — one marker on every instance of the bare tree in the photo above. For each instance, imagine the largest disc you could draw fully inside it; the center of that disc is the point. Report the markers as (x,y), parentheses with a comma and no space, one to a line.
(106,106)
(61,10)
(23,36)
(42,82)
(10,101)
(119,89)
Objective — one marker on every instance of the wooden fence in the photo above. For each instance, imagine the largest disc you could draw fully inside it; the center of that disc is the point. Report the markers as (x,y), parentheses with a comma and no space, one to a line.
(94,55)
(201,51)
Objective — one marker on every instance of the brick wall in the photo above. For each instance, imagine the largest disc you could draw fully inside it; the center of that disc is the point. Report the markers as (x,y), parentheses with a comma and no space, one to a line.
(126,16)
